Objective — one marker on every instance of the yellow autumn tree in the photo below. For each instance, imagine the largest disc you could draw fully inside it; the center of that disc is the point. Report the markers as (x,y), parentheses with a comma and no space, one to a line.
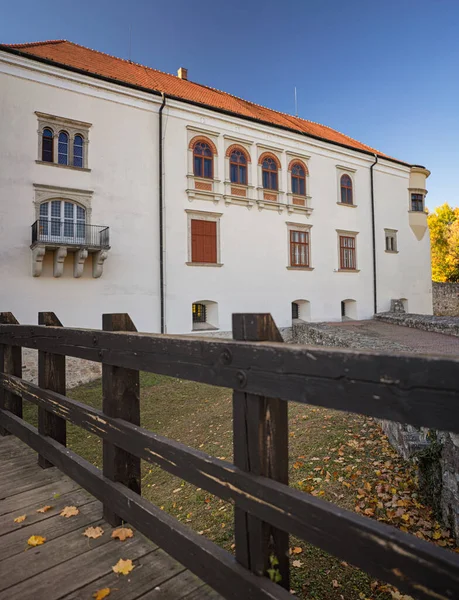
(444,240)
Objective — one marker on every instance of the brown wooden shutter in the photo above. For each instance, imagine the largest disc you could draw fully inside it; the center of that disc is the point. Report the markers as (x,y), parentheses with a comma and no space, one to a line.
(203,241)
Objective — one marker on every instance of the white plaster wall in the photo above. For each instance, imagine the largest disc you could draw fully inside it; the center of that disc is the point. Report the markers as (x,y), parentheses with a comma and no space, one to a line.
(123,157)
(254,243)
(408,273)
(123,177)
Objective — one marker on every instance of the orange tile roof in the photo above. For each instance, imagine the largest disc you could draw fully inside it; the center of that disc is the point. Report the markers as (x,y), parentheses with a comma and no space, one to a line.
(93,62)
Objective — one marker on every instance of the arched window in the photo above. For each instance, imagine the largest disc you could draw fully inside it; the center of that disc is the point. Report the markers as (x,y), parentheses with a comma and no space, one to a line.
(78,150)
(298,179)
(346,189)
(63,148)
(269,170)
(61,220)
(47,154)
(203,160)
(238,167)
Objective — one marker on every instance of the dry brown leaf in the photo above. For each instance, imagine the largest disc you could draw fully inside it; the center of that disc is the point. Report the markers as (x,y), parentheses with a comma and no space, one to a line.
(36,540)
(123,567)
(122,533)
(44,509)
(20,519)
(93,532)
(335,583)
(101,594)
(297,550)
(70,511)
(297,563)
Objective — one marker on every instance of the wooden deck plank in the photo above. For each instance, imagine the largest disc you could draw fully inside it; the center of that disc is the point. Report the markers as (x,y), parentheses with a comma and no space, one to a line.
(27,481)
(153,570)
(40,495)
(69,565)
(83,570)
(53,528)
(77,497)
(22,567)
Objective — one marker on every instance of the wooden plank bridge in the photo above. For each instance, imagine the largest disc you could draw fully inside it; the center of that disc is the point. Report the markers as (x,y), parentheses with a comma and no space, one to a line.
(265,375)
(69,565)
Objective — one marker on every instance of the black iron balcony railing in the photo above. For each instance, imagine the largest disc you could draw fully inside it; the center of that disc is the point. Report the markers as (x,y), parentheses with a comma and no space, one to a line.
(69,233)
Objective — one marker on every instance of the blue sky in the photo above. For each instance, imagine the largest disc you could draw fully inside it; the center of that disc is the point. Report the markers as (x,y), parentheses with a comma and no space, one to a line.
(385,73)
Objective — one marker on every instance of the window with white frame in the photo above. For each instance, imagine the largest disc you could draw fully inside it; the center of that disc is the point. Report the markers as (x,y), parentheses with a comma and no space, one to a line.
(63,142)
(299,246)
(203,238)
(391,240)
(61,220)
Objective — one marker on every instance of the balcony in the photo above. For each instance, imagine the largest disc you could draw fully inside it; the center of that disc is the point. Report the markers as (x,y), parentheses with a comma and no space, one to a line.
(62,237)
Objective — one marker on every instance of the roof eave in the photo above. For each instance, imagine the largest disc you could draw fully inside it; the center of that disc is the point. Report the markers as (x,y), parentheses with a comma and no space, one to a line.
(139,88)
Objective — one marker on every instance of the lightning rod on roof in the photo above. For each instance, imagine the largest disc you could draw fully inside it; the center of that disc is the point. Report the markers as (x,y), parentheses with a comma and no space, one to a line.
(130,42)
(296,104)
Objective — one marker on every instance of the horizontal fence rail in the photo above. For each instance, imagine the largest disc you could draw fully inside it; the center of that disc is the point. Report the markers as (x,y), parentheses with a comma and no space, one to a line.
(266,507)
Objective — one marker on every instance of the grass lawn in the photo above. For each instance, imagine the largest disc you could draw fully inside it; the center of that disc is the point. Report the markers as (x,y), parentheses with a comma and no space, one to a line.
(341,457)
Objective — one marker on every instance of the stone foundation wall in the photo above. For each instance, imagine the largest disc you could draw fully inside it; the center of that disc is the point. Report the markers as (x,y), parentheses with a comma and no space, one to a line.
(445,298)
(410,442)
(446,325)
(78,371)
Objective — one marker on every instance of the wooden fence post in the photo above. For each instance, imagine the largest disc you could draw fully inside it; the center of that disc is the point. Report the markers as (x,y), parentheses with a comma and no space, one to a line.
(121,399)
(11,363)
(51,376)
(260,433)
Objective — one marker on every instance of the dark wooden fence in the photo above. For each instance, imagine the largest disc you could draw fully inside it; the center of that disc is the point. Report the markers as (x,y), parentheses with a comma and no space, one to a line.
(264,374)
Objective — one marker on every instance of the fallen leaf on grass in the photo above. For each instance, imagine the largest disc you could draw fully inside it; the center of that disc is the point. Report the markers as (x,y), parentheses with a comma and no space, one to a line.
(44,509)
(101,594)
(94,532)
(123,567)
(70,511)
(36,540)
(297,563)
(122,533)
(335,583)
(297,550)
(23,518)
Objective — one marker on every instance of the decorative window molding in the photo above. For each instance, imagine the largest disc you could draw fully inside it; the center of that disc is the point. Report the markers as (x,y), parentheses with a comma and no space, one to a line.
(390,241)
(345,175)
(62,226)
(298,202)
(238,189)
(347,251)
(62,153)
(269,172)
(299,246)
(200,215)
(203,181)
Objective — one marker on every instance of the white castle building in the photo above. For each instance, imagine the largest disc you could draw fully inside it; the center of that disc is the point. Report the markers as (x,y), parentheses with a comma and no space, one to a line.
(124,189)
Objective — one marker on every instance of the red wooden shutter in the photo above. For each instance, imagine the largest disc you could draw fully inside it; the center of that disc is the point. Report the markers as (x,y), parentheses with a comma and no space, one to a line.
(203,241)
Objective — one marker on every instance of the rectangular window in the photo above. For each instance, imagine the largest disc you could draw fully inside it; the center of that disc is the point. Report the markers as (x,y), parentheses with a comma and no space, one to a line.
(417,202)
(347,252)
(199,313)
(391,241)
(299,248)
(203,241)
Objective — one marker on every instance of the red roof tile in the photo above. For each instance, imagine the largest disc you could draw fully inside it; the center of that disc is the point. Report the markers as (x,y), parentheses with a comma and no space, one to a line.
(94,62)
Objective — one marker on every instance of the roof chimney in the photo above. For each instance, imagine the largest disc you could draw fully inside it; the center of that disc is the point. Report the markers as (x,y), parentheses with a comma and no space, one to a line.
(182,73)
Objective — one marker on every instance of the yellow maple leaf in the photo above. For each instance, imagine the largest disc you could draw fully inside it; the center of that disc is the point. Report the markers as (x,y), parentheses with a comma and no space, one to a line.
(436,535)
(297,550)
(93,532)
(69,511)
(101,594)
(20,519)
(123,567)
(36,540)
(122,533)
(44,509)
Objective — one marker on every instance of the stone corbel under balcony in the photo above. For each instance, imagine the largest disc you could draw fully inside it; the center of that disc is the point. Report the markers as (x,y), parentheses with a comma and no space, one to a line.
(98,260)
(60,252)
